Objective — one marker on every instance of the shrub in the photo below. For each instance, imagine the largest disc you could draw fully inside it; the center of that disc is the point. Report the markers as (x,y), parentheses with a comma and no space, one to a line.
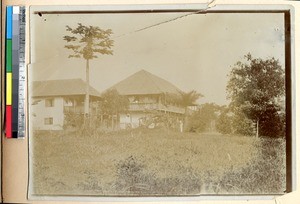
(200,120)
(132,178)
(229,123)
(241,125)
(224,123)
(196,123)
(91,184)
(266,174)
(73,120)
(272,124)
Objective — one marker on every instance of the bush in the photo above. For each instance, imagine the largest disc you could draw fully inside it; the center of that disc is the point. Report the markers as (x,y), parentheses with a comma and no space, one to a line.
(200,120)
(73,120)
(241,125)
(132,178)
(91,184)
(272,124)
(197,123)
(224,123)
(266,174)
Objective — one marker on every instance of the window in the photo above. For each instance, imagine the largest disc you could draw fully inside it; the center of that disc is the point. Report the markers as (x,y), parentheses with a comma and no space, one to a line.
(48,121)
(49,102)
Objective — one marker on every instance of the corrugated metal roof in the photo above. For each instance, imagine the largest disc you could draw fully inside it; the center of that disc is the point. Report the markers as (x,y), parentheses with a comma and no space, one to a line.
(64,87)
(143,82)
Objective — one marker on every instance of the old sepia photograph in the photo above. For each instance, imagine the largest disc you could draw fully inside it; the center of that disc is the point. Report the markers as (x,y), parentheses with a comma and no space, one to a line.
(139,103)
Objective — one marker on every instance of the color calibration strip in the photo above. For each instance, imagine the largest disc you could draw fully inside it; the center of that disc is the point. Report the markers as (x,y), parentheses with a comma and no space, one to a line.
(15,72)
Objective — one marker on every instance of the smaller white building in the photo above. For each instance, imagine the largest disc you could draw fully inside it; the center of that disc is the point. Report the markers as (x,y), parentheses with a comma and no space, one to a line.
(51,100)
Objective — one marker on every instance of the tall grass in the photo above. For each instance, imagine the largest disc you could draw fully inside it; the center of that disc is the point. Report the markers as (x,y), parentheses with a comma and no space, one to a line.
(265,174)
(155,163)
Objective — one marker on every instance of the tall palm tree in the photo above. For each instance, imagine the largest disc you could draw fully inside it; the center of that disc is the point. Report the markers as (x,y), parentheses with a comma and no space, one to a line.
(87,42)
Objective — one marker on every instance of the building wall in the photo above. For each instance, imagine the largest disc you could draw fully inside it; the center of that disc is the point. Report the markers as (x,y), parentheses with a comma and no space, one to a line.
(40,113)
(131,120)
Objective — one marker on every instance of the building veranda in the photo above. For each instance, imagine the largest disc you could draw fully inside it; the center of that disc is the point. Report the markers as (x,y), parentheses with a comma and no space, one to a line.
(152,102)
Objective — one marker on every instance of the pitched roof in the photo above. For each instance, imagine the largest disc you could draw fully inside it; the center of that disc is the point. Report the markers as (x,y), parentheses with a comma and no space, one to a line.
(65,87)
(143,82)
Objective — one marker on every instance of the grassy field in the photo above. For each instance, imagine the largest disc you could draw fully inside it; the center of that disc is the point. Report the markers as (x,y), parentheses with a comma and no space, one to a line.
(155,162)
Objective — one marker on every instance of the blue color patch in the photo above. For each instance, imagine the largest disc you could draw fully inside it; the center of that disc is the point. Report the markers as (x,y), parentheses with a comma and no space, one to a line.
(9,12)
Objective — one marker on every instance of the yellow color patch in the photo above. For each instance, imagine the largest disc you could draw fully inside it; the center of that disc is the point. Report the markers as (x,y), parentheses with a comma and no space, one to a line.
(8,88)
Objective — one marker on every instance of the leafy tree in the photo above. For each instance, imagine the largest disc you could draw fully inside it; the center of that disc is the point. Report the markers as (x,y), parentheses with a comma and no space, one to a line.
(201,119)
(234,123)
(257,88)
(224,121)
(113,103)
(189,99)
(276,120)
(88,42)
(242,125)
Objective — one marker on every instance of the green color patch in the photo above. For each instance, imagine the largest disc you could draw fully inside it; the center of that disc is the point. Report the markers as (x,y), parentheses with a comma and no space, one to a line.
(8,55)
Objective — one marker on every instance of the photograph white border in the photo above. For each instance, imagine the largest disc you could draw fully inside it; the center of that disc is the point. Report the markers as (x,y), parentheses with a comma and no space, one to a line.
(202,8)
(15,153)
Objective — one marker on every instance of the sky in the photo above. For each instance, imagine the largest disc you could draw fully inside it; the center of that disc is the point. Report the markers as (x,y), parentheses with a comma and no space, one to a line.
(195,52)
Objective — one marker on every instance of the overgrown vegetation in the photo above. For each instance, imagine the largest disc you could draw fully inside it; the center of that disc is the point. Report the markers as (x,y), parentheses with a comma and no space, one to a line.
(113,103)
(266,174)
(202,119)
(73,120)
(256,89)
(155,162)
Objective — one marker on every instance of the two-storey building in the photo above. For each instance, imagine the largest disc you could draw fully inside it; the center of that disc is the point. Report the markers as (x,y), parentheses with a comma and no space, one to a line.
(147,94)
(51,100)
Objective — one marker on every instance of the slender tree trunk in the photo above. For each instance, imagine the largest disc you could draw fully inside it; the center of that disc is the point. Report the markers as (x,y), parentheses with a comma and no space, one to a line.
(87,96)
(257,127)
(87,89)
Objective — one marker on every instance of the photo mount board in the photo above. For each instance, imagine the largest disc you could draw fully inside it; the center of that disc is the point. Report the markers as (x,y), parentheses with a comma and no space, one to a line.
(139,199)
